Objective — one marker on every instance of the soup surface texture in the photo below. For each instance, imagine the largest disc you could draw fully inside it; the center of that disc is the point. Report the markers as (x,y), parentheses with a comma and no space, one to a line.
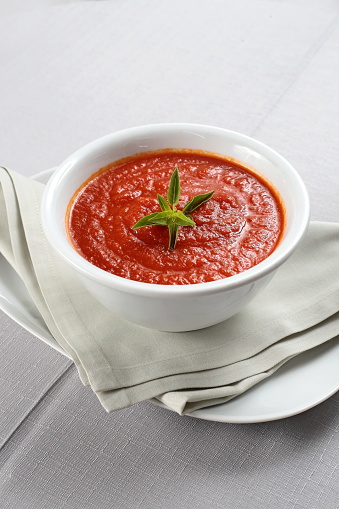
(236,229)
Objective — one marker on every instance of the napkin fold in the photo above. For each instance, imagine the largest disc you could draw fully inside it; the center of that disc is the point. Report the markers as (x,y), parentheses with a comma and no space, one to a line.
(125,363)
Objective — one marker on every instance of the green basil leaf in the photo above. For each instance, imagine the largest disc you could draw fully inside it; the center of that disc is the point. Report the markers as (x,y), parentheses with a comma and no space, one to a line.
(160,218)
(182,220)
(174,188)
(163,203)
(195,202)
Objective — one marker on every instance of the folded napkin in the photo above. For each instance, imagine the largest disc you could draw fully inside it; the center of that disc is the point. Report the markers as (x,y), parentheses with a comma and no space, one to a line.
(125,363)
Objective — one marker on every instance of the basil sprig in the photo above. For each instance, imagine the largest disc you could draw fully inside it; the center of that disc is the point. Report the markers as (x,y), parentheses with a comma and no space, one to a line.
(170,216)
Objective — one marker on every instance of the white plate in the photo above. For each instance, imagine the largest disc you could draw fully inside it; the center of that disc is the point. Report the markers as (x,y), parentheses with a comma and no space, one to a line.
(300,384)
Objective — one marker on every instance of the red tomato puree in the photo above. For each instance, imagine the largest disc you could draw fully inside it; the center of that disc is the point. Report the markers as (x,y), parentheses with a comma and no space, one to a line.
(236,229)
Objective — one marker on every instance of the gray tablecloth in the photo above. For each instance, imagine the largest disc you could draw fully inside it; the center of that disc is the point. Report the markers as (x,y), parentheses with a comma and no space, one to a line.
(71,72)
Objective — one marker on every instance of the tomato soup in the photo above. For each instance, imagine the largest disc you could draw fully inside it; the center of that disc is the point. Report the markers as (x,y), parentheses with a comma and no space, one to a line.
(236,229)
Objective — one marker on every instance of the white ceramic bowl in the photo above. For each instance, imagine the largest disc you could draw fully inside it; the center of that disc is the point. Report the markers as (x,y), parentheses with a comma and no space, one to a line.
(174,307)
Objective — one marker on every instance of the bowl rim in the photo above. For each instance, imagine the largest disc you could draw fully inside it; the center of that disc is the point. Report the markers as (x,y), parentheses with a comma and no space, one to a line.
(64,248)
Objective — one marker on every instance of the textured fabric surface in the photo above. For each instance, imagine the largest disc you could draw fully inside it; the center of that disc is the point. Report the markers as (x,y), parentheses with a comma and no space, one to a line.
(69,454)
(72,73)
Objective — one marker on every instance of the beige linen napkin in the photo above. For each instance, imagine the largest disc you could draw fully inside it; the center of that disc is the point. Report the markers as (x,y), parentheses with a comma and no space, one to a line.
(124,363)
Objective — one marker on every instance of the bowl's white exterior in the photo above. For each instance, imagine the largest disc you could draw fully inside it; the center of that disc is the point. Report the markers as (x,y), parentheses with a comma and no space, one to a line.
(173,313)
(171,307)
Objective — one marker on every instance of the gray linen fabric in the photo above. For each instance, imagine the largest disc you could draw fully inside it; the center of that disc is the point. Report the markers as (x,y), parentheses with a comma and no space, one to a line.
(69,454)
